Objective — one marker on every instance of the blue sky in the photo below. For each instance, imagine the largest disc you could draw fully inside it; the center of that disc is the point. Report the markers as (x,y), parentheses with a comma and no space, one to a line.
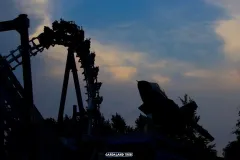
(186,46)
(152,26)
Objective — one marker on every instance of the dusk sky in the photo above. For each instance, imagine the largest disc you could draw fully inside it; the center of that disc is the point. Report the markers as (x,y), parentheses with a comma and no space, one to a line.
(187,46)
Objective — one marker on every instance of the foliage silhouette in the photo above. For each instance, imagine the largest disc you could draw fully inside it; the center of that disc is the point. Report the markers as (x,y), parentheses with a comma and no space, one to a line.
(231,151)
(117,126)
(192,135)
(140,123)
(103,128)
(237,130)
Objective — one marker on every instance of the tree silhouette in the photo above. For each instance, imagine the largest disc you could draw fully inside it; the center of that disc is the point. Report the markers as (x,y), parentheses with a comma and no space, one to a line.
(103,127)
(191,134)
(51,122)
(237,130)
(231,151)
(129,129)
(118,124)
(140,123)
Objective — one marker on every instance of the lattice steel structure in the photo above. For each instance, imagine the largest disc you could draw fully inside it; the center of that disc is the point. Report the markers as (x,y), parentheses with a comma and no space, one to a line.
(16,102)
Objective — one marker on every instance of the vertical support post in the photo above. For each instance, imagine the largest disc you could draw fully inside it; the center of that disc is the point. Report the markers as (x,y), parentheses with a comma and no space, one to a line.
(76,82)
(22,25)
(74,115)
(2,103)
(90,115)
(74,119)
(89,124)
(70,65)
(64,89)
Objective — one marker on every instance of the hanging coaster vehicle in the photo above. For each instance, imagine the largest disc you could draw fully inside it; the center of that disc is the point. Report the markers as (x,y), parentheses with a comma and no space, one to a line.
(18,111)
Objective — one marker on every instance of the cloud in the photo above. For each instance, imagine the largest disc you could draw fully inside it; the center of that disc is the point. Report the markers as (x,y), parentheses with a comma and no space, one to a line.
(161,79)
(39,9)
(117,64)
(199,74)
(122,65)
(122,73)
(215,79)
(228,29)
(231,6)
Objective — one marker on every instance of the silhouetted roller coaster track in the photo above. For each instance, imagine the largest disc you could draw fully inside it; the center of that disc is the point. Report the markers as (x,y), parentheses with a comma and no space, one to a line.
(70,35)
(65,33)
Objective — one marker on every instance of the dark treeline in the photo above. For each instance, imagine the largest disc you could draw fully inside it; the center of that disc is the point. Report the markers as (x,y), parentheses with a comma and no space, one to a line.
(116,125)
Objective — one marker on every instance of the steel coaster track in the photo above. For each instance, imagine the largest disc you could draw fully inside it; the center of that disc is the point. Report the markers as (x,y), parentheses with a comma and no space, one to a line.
(65,33)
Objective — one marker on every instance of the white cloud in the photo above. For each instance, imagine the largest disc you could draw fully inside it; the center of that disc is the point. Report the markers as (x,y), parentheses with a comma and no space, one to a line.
(37,8)
(228,29)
